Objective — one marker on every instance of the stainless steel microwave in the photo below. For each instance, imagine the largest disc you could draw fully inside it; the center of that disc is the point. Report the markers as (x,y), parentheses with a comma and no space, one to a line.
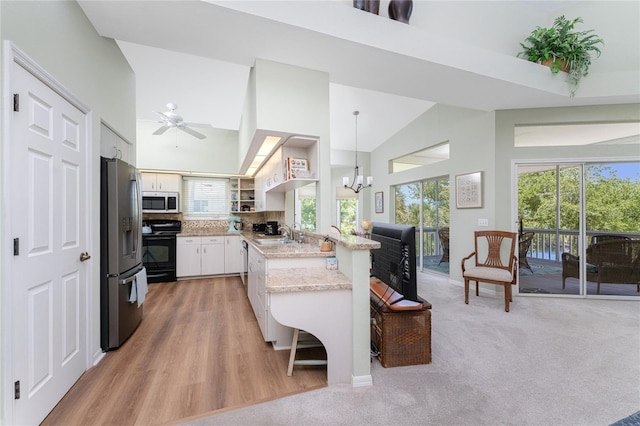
(160,202)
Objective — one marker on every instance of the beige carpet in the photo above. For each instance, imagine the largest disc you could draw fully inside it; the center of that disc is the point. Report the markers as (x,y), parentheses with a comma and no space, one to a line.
(550,361)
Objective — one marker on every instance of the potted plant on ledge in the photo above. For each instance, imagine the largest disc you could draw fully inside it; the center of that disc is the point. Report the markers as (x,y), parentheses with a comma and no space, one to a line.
(561,48)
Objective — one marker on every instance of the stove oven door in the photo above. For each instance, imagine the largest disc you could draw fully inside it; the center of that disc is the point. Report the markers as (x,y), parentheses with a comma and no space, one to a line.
(159,257)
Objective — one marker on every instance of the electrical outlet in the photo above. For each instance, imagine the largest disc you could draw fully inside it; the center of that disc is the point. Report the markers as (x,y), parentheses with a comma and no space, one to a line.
(483,222)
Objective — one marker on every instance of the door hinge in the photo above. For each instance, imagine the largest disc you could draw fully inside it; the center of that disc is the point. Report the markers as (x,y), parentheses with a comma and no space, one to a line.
(16,102)
(16,390)
(16,246)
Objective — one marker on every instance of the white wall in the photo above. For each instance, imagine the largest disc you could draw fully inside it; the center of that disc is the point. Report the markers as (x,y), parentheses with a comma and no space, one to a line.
(484,141)
(59,37)
(293,100)
(179,151)
(507,153)
(471,137)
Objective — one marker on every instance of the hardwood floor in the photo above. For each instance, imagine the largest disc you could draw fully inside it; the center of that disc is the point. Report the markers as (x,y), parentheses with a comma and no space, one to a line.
(198,349)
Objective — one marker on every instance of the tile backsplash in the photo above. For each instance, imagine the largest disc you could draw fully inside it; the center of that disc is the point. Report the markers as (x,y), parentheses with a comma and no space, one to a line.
(248,219)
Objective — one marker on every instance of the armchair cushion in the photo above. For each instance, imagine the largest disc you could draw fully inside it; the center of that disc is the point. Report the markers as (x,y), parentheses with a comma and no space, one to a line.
(486,273)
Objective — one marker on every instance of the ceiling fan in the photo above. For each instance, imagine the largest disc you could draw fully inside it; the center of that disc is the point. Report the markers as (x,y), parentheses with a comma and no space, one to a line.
(170,119)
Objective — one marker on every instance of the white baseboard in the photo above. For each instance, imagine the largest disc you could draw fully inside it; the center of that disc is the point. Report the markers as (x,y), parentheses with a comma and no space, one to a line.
(361,381)
(97,357)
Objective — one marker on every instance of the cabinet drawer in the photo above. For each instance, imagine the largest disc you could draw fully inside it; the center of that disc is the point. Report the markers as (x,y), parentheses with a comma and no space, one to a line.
(188,240)
(212,240)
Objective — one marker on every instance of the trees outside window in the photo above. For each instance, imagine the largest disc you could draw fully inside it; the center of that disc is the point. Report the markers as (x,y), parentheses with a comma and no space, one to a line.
(347,215)
(425,205)
(550,204)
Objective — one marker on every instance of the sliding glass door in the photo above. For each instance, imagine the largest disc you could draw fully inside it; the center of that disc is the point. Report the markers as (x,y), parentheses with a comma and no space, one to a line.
(612,223)
(566,211)
(425,205)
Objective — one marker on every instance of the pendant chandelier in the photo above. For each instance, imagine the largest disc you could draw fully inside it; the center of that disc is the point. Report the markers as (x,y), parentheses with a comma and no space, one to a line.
(358,182)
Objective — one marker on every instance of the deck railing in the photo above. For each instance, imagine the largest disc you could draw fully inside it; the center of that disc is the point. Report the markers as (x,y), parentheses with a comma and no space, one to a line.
(547,244)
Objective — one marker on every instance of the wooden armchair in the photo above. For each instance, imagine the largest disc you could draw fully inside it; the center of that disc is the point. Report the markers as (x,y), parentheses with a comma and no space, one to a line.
(495,262)
(443,235)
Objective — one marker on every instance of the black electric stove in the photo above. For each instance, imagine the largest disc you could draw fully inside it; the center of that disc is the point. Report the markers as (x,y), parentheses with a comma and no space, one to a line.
(159,250)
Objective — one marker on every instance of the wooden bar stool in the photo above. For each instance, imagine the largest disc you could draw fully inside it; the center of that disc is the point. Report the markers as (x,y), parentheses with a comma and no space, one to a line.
(307,341)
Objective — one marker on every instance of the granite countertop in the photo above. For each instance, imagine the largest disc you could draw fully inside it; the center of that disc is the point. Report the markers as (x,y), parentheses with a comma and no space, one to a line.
(288,250)
(293,249)
(306,279)
(351,242)
(204,232)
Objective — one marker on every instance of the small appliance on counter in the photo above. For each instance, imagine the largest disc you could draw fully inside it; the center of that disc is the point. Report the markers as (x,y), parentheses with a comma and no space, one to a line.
(235,224)
(259,227)
(272,228)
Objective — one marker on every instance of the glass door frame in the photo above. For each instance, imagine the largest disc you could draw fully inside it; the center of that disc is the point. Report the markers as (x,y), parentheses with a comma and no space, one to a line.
(583,237)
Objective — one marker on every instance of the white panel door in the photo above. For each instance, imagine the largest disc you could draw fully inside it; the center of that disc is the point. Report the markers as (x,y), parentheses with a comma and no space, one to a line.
(48,221)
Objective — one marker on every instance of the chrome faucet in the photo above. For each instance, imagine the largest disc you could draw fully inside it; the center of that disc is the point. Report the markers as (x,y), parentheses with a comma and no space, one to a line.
(300,233)
(287,235)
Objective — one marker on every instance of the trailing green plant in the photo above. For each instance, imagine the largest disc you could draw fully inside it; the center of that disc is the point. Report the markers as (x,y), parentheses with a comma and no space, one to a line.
(561,44)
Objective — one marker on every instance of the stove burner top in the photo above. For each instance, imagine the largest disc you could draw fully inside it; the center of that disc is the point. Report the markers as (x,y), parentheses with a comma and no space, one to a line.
(164,226)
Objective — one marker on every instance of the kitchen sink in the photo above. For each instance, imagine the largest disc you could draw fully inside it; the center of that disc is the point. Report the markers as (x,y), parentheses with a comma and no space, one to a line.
(270,241)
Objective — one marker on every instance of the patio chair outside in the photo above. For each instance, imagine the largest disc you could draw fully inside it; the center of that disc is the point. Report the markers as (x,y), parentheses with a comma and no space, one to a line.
(443,235)
(523,249)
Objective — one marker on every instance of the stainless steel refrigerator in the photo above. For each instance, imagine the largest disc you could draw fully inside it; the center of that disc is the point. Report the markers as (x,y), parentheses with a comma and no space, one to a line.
(120,250)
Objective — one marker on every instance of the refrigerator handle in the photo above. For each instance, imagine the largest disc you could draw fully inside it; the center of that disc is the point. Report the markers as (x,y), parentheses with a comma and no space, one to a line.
(137,212)
(127,280)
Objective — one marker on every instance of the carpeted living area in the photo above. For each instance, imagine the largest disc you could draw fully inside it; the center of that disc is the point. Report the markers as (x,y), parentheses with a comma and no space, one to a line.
(550,361)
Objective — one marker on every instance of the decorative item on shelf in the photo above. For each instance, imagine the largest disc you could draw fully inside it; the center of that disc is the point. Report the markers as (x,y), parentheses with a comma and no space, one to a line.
(297,168)
(371,6)
(561,48)
(400,10)
(357,184)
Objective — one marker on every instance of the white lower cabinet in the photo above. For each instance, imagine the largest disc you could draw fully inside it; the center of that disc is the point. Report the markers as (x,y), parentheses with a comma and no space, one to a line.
(188,253)
(256,288)
(259,268)
(197,256)
(213,255)
(233,254)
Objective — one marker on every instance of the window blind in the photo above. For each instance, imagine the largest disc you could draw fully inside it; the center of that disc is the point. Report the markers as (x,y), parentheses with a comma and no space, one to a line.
(205,197)
(343,193)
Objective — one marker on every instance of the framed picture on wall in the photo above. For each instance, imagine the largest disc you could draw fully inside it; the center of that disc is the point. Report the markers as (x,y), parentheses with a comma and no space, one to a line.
(379,202)
(469,191)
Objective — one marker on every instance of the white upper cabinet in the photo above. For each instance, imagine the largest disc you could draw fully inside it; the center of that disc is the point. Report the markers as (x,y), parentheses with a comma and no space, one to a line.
(113,146)
(165,182)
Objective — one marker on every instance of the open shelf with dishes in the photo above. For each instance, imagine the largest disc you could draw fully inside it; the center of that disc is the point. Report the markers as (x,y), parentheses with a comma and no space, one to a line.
(242,195)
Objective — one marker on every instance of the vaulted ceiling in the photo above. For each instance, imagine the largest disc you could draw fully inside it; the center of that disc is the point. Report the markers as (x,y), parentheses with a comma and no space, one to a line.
(198,54)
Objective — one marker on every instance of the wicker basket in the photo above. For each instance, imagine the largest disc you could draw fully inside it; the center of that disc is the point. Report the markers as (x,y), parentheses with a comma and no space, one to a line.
(402,337)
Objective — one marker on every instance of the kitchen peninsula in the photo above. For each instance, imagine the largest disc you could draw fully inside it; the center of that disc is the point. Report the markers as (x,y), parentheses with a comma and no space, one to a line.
(290,287)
